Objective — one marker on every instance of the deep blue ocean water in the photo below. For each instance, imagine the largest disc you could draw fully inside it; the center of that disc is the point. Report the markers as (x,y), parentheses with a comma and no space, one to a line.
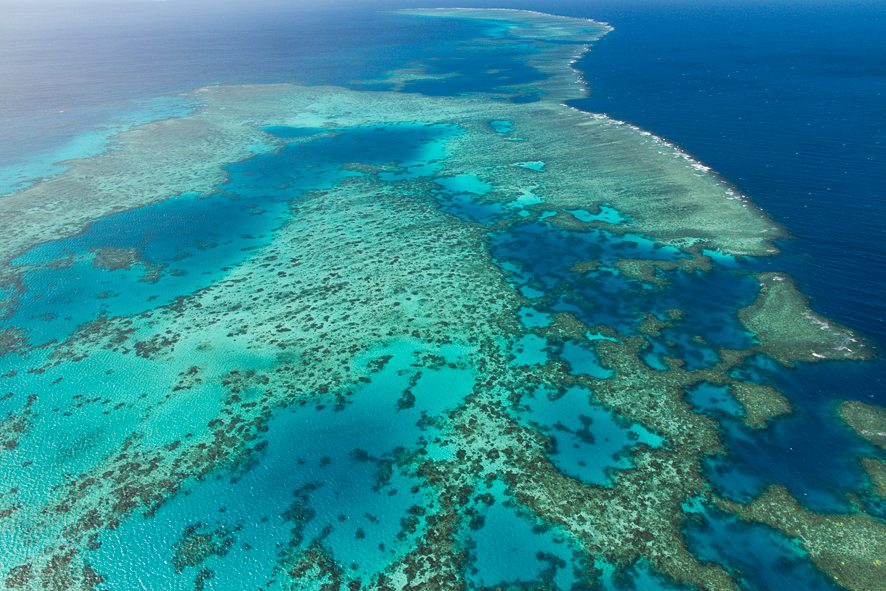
(788,102)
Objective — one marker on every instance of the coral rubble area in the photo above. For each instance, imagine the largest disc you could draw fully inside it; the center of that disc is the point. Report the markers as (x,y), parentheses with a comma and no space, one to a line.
(330,338)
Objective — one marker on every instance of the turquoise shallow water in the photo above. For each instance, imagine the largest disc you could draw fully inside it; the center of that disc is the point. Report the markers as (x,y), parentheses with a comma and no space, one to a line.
(308,478)
(508,547)
(355,481)
(586,441)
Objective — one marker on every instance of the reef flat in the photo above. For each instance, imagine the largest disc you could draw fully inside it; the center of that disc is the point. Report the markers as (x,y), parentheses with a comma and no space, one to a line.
(313,337)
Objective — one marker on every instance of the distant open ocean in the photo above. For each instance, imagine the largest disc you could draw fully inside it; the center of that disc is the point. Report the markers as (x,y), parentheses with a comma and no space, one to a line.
(787,101)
